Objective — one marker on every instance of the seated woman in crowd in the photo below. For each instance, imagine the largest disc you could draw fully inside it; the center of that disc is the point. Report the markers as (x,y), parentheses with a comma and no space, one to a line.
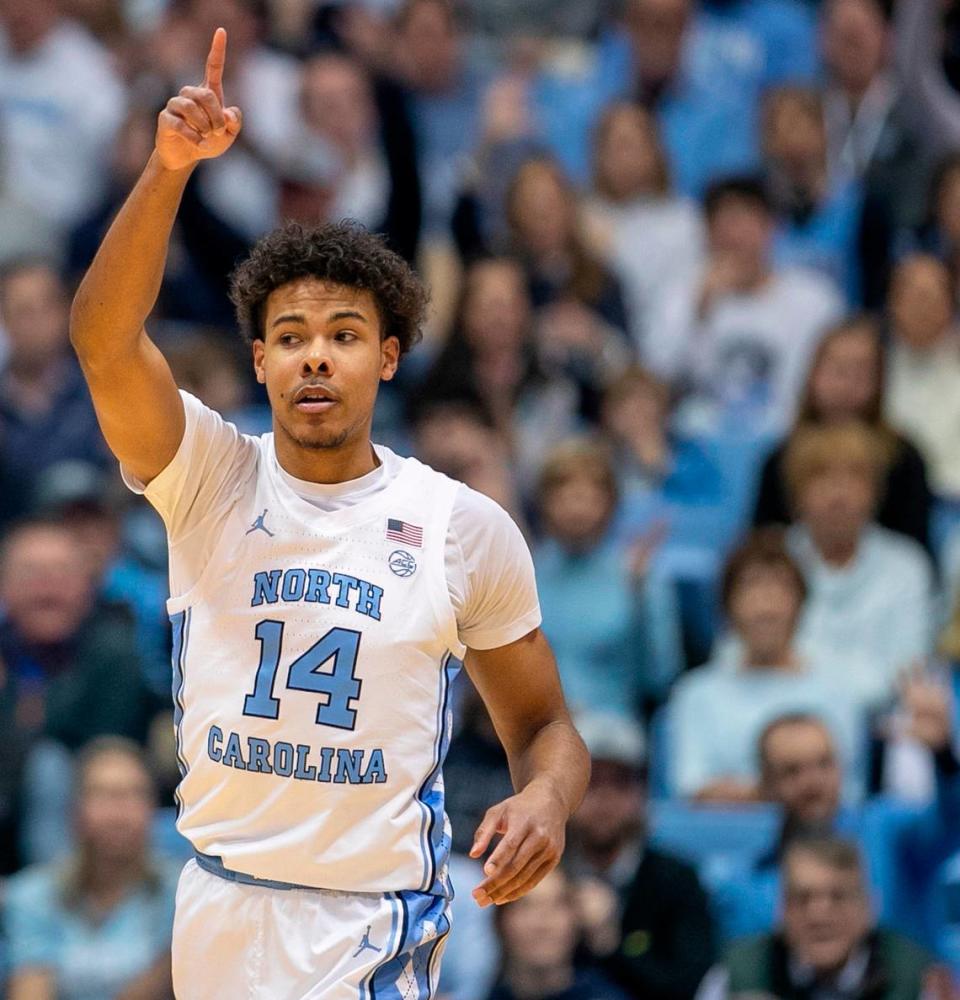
(846,382)
(614,627)
(870,590)
(717,713)
(651,237)
(923,393)
(491,361)
(97,924)
(539,935)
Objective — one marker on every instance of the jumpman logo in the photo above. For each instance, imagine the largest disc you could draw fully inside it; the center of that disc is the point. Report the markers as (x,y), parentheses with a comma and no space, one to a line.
(258,525)
(365,944)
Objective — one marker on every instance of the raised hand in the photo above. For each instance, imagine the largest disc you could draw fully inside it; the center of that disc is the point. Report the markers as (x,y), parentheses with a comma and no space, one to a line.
(195,125)
(927,706)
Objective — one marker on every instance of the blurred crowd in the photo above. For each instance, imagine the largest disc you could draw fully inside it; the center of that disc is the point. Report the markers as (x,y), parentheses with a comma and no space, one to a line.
(694,268)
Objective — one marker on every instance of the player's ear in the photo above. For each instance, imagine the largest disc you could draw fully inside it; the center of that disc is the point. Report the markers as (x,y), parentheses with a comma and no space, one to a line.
(389,358)
(258,361)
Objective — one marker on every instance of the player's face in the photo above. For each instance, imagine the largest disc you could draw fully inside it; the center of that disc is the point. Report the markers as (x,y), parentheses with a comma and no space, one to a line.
(322,360)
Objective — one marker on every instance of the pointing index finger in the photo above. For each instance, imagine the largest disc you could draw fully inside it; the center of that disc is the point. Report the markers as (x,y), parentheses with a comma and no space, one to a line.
(213,77)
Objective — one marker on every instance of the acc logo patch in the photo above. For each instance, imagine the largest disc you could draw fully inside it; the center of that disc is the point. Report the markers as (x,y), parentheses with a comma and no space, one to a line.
(402,563)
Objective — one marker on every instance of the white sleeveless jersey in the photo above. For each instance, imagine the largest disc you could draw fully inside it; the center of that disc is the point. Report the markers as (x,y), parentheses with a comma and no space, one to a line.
(312,667)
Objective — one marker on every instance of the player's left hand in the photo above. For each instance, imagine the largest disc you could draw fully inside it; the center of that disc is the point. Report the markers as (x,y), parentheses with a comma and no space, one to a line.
(532,829)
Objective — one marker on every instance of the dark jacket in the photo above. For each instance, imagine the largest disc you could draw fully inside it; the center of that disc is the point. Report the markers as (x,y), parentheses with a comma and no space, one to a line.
(895,969)
(667,940)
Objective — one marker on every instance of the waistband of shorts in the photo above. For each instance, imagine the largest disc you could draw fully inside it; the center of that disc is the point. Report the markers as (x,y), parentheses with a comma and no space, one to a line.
(215,866)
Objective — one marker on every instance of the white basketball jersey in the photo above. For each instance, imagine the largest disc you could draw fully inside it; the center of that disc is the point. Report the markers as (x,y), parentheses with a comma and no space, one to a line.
(312,669)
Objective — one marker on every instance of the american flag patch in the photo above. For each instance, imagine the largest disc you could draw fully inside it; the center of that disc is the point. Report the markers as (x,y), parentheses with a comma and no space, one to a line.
(400,531)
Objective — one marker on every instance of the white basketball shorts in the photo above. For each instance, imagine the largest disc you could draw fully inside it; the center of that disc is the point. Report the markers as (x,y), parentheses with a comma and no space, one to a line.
(233,940)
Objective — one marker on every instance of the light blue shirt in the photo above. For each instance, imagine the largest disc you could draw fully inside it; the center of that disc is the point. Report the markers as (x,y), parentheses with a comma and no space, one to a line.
(615,640)
(716,716)
(881,606)
(90,960)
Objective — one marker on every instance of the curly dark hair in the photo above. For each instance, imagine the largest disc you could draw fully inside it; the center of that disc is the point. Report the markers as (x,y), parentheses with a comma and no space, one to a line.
(343,253)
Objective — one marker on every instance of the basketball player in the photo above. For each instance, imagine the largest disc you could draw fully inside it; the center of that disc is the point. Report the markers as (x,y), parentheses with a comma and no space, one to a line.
(321,589)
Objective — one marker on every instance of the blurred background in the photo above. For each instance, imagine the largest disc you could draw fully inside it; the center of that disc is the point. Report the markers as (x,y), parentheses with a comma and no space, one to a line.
(694,269)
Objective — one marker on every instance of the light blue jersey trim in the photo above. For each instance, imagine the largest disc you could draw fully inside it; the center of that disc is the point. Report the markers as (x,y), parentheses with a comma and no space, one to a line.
(181,639)
(408,974)
(215,866)
(429,795)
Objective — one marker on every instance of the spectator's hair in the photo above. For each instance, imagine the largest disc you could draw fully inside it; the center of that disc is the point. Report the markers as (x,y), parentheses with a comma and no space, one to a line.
(742,188)
(636,379)
(452,409)
(576,458)
(834,852)
(663,182)
(343,253)
(764,548)
(883,7)
(587,276)
(859,324)
(814,449)
(783,722)
(111,746)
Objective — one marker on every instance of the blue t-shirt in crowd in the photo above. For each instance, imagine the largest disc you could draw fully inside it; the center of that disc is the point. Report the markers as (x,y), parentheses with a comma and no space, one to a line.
(90,959)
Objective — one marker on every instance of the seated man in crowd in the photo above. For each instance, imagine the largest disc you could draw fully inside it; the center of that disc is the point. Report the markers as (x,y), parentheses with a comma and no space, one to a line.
(645,915)
(742,335)
(69,666)
(828,944)
(904,845)
(539,935)
(870,590)
(98,922)
(46,415)
(717,712)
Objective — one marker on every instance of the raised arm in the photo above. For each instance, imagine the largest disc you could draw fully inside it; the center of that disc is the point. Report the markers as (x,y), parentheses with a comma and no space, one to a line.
(136,399)
(548,762)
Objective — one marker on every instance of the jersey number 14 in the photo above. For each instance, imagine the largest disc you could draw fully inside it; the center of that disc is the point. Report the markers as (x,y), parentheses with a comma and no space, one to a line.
(340,684)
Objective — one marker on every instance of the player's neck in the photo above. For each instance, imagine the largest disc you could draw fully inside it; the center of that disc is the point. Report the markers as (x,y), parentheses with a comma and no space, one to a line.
(339,464)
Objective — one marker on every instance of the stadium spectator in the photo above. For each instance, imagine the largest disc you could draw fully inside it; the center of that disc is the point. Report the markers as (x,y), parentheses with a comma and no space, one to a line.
(869,138)
(59,92)
(98,922)
(651,237)
(847,381)
(458,439)
(644,912)
(490,360)
(717,712)
(871,590)
(818,213)
(543,213)
(743,332)
(71,669)
(903,844)
(923,395)
(828,943)
(447,90)
(614,628)
(539,935)
(475,775)
(704,96)
(939,231)
(46,415)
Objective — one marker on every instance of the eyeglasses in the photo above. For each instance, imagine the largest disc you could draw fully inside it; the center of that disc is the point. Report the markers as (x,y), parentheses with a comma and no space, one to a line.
(802,897)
